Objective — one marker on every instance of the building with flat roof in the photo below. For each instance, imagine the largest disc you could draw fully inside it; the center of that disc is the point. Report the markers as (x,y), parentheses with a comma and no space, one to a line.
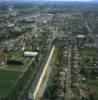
(30,54)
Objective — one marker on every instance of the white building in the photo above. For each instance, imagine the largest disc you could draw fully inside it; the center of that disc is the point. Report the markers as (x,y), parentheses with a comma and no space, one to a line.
(81,36)
(30,54)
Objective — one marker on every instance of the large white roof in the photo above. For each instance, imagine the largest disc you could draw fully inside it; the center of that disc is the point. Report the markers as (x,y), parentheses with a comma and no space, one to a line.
(30,53)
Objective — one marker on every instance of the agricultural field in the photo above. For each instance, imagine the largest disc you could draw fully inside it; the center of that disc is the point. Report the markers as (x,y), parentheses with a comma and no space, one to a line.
(7,80)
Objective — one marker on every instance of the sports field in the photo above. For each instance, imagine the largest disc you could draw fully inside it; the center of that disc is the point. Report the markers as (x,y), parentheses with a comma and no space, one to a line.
(9,74)
(17,56)
(7,81)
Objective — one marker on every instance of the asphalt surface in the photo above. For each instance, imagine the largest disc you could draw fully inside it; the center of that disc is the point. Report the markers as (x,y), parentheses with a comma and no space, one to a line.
(44,76)
(37,73)
(92,34)
(68,79)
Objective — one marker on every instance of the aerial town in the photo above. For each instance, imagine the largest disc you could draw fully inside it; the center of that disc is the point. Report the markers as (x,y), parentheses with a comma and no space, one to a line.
(48,50)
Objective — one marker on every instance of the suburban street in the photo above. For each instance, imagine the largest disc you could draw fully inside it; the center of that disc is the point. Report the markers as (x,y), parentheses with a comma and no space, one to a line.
(39,69)
(92,34)
(48,50)
(68,79)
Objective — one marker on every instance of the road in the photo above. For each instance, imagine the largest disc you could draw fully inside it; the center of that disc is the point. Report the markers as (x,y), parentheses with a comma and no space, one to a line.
(92,34)
(35,14)
(37,72)
(68,79)
(45,76)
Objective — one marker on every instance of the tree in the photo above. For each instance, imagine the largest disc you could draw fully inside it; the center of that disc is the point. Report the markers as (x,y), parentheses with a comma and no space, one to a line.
(91,97)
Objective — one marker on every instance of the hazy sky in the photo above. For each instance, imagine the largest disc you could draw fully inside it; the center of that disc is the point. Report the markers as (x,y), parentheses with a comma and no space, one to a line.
(48,0)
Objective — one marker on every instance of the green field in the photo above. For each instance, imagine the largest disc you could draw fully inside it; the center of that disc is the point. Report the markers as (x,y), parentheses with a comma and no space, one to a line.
(27,62)
(87,55)
(64,15)
(7,81)
(54,56)
(9,74)
(93,87)
(17,55)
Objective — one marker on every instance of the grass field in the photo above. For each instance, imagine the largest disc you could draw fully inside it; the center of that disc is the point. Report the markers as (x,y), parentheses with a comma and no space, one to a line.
(17,55)
(65,15)
(93,87)
(87,56)
(22,68)
(9,74)
(53,83)
(54,56)
(7,80)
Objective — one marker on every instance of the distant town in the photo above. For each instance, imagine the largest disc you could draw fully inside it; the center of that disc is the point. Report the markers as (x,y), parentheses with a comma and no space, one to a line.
(48,51)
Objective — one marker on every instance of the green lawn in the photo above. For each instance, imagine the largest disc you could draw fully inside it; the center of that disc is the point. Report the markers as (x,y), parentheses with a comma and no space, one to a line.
(18,55)
(94,91)
(93,87)
(88,51)
(52,82)
(10,54)
(7,80)
(27,62)
(54,56)
(87,56)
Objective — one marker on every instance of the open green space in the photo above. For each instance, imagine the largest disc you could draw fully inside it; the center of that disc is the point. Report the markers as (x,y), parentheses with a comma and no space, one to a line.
(54,56)
(87,56)
(94,91)
(93,87)
(10,73)
(27,63)
(17,55)
(52,85)
(7,81)
(14,53)
(64,15)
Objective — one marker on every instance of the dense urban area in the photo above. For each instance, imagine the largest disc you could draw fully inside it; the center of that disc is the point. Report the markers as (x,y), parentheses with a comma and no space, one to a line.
(48,51)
